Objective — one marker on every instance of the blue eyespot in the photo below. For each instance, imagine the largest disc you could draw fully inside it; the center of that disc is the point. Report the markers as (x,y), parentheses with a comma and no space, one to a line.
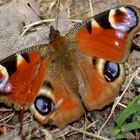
(44,105)
(5,87)
(128,19)
(111,71)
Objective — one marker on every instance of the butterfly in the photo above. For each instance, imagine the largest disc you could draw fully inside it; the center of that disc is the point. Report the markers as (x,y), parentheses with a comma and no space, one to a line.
(80,71)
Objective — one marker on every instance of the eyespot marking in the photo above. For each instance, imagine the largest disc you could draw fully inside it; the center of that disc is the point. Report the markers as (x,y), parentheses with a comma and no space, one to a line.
(120,34)
(111,71)
(89,27)
(102,20)
(94,61)
(10,63)
(20,59)
(44,105)
(26,57)
(123,19)
(5,85)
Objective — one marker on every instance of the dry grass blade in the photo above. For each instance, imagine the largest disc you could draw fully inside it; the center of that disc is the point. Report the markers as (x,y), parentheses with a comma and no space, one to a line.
(122,105)
(6,119)
(91,8)
(6,110)
(138,74)
(28,27)
(57,133)
(89,134)
(47,134)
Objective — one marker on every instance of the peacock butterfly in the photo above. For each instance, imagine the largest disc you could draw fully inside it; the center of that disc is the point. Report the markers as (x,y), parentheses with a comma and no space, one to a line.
(81,70)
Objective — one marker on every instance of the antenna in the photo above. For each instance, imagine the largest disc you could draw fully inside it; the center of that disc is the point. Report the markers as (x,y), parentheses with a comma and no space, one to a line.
(38,15)
(42,21)
(51,31)
(57,14)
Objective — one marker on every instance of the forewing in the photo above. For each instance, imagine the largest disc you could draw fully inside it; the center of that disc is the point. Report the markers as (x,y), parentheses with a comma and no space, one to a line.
(22,75)
(108,35)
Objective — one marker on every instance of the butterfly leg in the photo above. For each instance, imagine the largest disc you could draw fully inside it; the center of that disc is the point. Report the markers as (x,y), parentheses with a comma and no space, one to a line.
(22,111)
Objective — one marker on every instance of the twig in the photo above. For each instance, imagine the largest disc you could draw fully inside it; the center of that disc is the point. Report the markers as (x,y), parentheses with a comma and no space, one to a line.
(26,28)
(91,8)
(89,134)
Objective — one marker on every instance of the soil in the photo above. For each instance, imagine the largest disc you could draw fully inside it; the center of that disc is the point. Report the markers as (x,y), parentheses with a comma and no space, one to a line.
(14,15)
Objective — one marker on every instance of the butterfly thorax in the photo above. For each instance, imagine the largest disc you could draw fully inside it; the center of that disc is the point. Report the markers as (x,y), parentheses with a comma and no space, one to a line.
(62,68)
(59,47)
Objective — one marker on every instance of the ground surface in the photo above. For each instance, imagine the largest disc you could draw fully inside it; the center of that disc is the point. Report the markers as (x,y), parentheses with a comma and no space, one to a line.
(11,27)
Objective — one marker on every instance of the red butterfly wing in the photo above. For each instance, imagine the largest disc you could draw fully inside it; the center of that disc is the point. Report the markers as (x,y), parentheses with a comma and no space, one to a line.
(60,94)
(22,75)
(101,82)
(108,35)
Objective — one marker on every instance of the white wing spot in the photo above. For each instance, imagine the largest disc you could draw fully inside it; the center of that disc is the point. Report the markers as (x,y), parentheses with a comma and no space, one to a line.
(20,59)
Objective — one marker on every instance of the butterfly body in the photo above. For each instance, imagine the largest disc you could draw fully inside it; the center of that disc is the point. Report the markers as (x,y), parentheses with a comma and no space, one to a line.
(77,72)
(72,79)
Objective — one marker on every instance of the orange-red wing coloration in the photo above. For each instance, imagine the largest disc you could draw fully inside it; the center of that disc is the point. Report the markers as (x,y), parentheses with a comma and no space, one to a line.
(66,102)
(78,80)
(63,106)
(27,80)
(101,43)
(109,35)
(24,78)
(68,107)
(100,88)
(75,79)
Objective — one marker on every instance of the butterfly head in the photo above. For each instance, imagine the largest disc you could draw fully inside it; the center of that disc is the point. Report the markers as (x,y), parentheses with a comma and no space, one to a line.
(54,34)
